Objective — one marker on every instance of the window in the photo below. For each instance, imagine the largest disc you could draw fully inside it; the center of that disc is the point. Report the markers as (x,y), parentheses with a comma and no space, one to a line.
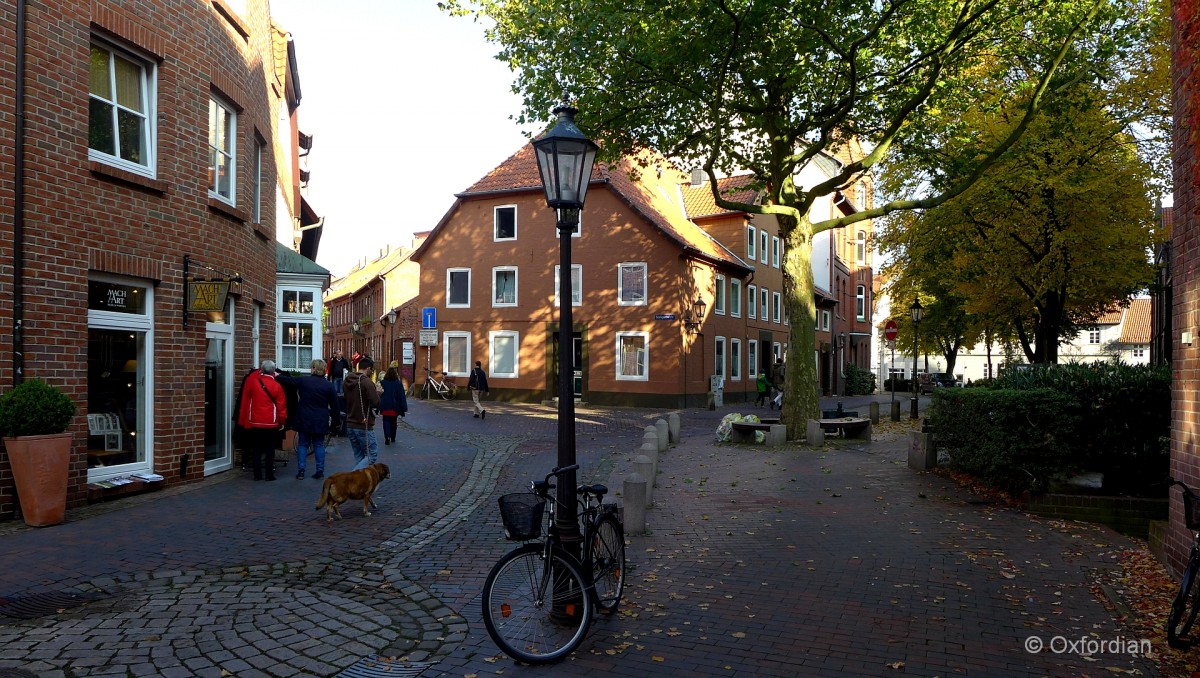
(735,359)
(763,238)
(752,301)
(505,223)
(297,301)
(631,284)
(121,116)
(752,357)
(1139,351)
(860,302)
(751,243)
(120,375)
(775,306)
(1094,336)
(735,298)
(504,286)
(458,288)
(766,297)
(775,251)
(222,151)
(860,248)
(631,356)
(256,192)
(456,353)
(576,285)
(504,353)
(825,320)
(719,357)
(296,345)
(719,299)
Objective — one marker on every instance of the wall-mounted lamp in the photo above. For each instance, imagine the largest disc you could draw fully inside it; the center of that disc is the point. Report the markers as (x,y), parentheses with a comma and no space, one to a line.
(392,317)
(841,340)
(355,327)
(694,318)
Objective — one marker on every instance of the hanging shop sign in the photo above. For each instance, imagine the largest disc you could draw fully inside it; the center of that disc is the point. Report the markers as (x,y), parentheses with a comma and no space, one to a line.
(205,293)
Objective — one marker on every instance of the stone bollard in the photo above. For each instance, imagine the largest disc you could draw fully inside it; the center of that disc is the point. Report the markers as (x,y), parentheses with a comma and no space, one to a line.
(664,438)
(873,408)
(650,451)
(634,494)
(913,409)
(650,437)
(814,435)
(895,410)
(673,428)
(921,453)
(643,466)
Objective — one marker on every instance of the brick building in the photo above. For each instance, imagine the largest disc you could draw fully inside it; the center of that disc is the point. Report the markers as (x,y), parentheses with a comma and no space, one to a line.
(148,146)
(1185,279)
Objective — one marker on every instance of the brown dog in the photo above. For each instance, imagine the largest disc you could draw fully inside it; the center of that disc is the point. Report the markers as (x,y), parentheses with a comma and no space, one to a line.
(342,487)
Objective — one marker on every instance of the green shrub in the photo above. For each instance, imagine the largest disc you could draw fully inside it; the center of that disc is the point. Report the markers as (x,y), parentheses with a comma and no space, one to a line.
(1014,440)
(859,381)
(35,408)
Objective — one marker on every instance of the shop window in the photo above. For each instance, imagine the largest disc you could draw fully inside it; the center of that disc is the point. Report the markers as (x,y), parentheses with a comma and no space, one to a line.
(118,373)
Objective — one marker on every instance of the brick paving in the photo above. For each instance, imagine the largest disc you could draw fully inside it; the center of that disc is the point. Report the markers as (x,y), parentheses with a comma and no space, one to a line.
(775,562)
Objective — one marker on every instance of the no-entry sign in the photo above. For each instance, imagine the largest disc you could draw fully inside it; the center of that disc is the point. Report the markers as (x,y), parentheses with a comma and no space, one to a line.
(889,330)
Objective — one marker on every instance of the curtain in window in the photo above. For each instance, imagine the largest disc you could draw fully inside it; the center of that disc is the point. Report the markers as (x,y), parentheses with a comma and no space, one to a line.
(633,356)
(633,283)
(456,354)
(504,354)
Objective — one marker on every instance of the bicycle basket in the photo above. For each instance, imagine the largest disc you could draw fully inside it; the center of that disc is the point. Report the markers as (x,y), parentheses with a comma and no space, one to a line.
(522,516)
(1191,509)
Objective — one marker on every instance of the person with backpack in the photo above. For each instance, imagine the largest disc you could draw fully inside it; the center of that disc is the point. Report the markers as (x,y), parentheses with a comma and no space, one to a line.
(262,414)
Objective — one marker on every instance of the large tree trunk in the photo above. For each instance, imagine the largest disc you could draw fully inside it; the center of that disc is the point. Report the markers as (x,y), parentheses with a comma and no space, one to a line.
(800,399)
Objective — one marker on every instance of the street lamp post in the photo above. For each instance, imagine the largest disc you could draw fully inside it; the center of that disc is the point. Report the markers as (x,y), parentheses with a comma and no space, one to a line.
(916,311)
(565,157)
(391,316)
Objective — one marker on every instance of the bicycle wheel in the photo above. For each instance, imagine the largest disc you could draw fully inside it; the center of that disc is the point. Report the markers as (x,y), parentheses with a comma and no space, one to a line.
(606,560)
(536,611)
(451,391)
(1186,605)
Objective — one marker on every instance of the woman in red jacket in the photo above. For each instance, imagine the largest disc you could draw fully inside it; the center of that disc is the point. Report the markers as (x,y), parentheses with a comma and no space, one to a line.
(262,414)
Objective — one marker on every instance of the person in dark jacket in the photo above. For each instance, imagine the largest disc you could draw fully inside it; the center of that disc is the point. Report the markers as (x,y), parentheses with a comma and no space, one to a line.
(477,384)
(337,370)
(262,414)
(317,405)
(362,399)
(392,404)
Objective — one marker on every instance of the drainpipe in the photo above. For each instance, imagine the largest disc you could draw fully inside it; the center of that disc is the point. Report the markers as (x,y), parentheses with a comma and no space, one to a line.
(18,336)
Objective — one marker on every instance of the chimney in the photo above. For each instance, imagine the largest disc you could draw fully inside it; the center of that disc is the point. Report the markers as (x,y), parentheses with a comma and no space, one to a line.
(697,177)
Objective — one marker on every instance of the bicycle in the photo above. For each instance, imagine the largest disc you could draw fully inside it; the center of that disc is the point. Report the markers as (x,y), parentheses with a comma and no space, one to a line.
(1187,601)
(539,598)
(447,390)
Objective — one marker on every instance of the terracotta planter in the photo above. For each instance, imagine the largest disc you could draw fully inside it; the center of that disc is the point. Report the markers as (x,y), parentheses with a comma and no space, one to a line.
(40,465)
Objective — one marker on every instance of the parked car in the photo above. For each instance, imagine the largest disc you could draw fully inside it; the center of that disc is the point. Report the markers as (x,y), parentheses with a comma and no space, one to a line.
(929,382)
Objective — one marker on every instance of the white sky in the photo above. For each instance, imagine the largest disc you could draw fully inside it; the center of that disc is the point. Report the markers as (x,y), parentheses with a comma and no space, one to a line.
(407,106)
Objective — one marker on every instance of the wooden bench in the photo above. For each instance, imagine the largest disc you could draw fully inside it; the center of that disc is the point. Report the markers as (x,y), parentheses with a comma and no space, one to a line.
(847,427)
(743,432)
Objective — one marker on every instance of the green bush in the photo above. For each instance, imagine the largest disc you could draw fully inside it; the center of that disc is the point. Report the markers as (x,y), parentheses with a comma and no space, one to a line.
(35,408)
(1013,440)
(859,381)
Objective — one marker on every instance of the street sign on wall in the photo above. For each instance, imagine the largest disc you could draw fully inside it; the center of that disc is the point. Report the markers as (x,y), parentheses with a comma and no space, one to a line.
(428,318)
(428,338)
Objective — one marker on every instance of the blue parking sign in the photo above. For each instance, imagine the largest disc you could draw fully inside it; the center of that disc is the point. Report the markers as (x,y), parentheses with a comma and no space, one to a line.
(428,318)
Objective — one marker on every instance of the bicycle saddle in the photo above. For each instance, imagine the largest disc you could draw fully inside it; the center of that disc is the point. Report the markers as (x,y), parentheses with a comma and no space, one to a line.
(598,490)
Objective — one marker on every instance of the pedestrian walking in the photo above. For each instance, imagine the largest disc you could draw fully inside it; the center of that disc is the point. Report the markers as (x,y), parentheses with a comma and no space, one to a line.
(777,386)
(392,404)
(477,383)
(262,415)
(763,386)
(362,401)
(317,406)
(337,369)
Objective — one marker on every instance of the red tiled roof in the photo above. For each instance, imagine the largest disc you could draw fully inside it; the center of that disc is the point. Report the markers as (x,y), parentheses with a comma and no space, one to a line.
(1110,318)
(698,201)
(1136,329)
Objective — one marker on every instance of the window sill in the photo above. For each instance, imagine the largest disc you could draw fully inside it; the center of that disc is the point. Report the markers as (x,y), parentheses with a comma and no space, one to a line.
(232,17)
(261,231)
(108,171)
(228,210)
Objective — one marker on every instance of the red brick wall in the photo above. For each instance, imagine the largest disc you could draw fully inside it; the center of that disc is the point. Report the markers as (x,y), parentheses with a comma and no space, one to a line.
(1185,244)
(83,217)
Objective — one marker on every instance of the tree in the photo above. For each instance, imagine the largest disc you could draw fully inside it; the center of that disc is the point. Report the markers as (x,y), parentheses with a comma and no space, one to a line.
(769,85)
(1054,235)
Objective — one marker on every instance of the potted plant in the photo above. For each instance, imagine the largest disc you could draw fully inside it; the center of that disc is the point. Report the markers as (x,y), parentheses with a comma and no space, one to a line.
(34,417)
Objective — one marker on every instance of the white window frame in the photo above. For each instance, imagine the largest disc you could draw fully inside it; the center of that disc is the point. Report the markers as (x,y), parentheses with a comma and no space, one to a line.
(493,352)
(576,284)
(752,297)
(751,358)
(450,276)
(765,296)
(447,337)
(216,108)
(630,266)
(735,359)
(496,223)
(778,351)
(763,242)
(751,243)
(719,295)
(825,318)
(775,305)
(496,270)
(860,302)
(148,83)
(860,248)
(775,251)
(719,357)
(256,190)
(297,317)
(1094,335)
(645,375)
(735,298)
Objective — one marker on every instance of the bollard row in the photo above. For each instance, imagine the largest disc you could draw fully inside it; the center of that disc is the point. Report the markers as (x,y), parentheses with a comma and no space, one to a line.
(638,491)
